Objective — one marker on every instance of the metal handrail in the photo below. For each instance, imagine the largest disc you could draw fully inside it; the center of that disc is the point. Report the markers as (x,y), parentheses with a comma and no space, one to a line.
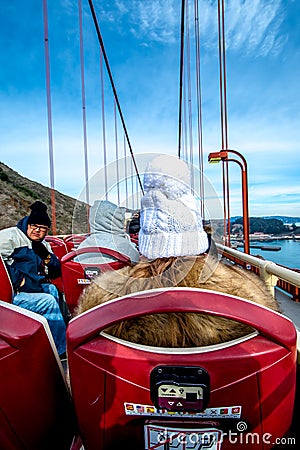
(266,268)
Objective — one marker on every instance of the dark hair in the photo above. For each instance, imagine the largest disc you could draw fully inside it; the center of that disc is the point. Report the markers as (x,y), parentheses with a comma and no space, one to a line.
(134,225)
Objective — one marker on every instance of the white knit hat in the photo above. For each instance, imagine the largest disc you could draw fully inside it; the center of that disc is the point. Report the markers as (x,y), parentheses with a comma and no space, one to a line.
(170,220)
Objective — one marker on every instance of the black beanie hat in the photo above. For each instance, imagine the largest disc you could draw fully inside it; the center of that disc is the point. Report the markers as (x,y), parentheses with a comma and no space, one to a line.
(39,214)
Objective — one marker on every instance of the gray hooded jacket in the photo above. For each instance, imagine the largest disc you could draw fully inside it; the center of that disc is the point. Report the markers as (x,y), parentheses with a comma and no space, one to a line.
(107,225)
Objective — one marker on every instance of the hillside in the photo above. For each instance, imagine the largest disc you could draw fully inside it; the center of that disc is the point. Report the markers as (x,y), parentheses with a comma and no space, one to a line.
(17,193)
(284,219)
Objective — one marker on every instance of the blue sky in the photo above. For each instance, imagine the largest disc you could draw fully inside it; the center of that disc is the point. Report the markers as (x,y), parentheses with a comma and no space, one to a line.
(142,43)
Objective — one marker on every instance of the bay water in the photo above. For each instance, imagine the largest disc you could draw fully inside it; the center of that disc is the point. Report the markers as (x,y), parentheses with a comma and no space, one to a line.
(288,255)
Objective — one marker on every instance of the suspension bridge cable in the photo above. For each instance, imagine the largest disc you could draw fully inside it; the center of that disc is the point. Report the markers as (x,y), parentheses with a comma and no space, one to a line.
(125,173)
(190,106)
(199,105)
(223,112)
(181,75)
(189,86)
(113,88)
(225,117)
(86,170)
(117,152)
(222,119)
(224,75)
(132,180)
(222,69)
(49,113)
(221,74)
(103,127)
(184,124)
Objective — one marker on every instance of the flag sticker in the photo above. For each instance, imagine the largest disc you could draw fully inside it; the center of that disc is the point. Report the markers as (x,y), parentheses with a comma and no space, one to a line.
(233,412)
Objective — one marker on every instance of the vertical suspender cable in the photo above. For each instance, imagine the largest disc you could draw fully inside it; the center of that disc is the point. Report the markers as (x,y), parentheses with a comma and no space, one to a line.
(199,106)
(103,127)
(49,111)
(184,122)
(117,152)
(224,75)
(225,117)
(125,173)
(190,108)
(221,75)
(86,170)
(132,180)
(223,111)
(181,76)
(222,123)
(137,193)
(113,87)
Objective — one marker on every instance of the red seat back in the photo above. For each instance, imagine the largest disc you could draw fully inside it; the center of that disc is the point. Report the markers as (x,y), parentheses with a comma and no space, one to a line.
(73,240)
(58,246)
(252,379)
(60,249)
(134,238)
(6,288)
(75,275)
(36,412)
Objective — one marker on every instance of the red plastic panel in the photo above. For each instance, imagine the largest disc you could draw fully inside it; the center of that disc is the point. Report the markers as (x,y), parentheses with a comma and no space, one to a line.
(257,374)
(58,246)
(101,250)
(73,273)
(6,289)
(134,238)
(73,240)
(273,325)
(36,411)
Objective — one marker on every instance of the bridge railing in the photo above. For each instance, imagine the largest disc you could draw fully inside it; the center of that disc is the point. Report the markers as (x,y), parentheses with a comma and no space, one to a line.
(273,274)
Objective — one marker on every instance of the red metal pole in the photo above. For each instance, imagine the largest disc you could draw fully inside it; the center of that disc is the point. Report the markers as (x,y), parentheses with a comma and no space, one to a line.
(225,189)
(49,113)
(243,166)
(228,206)
(245,211)
(223,156)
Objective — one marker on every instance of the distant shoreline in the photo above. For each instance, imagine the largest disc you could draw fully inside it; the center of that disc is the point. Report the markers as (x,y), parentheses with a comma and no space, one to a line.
(266,238)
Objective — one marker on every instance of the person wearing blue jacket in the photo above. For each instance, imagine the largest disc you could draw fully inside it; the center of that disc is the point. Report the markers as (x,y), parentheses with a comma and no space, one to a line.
(31,265)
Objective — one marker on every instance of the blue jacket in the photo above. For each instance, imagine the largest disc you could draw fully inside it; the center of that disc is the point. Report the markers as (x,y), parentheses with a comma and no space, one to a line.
(23,263)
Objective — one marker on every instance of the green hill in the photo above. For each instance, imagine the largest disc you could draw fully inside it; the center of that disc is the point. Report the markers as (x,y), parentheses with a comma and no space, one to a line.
(17,193)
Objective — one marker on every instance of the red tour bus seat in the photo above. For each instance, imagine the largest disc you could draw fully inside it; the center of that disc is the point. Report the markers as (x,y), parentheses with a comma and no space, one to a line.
(134,396)
(58,246)
(60,249)
(76,276)
(36,410)
(134,238)
(73,240)
(6,288)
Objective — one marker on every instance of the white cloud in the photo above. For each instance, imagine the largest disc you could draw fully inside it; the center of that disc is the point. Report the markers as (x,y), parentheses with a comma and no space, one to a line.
(158,19)
(68,6)
(250,25)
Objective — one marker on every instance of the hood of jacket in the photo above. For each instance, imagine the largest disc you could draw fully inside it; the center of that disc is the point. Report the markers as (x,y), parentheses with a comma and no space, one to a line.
(23,224)
(107,217)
